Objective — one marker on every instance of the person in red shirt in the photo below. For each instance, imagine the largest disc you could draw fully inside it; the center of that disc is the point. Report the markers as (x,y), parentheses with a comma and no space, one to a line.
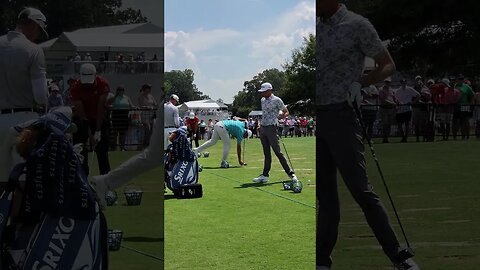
(193,128)
(88,96)
(444,98)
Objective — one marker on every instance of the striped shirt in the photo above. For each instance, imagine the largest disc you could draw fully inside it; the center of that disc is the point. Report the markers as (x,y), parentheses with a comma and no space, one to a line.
(271,106)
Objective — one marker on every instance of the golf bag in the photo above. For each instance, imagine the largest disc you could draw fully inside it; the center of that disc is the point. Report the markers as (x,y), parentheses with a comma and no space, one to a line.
(52,221)
(181,168)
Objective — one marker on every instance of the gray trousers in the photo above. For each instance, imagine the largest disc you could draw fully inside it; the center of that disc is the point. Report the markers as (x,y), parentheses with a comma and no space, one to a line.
(269,138)
(339,146)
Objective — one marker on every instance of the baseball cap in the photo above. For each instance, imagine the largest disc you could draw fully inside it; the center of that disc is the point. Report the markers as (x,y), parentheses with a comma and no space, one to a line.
(174,97)
(446,81)
(265,87)
(418,77)
(191,115)
(87,73)
(388,79)
(54,87)
(430,81)
(36,16)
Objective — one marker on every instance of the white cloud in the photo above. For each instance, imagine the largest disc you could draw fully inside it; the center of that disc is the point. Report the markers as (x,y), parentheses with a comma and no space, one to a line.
(223,59)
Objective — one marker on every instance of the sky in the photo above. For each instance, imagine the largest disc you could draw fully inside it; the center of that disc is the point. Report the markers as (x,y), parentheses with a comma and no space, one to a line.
(227,42)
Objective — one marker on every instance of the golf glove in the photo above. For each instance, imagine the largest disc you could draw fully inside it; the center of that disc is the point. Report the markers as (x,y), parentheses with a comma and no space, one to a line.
(97,136)
(354,94)
(77,149)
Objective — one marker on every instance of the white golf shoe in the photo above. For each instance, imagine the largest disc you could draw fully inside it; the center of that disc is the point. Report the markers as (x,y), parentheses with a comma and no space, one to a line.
(408,264)
(260,179)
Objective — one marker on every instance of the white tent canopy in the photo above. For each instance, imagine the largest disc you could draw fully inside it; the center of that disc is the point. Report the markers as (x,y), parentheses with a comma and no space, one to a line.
(134,38)
(199,105)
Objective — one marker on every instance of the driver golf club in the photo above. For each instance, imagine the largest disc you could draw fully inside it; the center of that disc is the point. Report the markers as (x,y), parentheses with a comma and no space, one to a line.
(289,185)
(406,253)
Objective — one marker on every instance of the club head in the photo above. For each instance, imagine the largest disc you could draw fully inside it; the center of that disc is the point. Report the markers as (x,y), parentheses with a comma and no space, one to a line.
(286,185)
(406,253)
(297,186)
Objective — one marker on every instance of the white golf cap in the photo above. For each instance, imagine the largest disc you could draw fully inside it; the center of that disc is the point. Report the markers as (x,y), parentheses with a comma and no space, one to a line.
(191,115)
(446,81)
(174,97)
(418,77)
(36,16)
(87,73)
(265,87)
(388,79)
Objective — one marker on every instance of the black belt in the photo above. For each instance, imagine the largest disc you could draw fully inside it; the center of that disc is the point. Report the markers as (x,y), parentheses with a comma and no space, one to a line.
(15,110)
(170,127)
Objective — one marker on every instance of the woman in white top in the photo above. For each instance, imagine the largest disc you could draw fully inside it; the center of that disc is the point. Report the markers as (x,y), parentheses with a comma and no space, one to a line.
(148,105)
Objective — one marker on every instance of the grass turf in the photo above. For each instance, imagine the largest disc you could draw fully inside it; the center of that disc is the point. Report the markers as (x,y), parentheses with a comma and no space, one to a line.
(241,225)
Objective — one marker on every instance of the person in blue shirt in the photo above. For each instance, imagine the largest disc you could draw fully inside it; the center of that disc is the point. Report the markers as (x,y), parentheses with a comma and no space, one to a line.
(223,130)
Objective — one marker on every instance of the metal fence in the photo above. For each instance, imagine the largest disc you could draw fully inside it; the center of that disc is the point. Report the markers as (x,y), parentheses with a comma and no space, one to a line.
(423,121)
(130,129)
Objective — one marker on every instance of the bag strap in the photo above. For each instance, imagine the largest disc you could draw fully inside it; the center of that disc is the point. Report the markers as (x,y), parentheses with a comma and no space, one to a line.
(6,200)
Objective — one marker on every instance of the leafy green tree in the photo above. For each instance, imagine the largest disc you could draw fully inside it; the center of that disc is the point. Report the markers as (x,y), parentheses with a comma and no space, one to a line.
(300,78)
(428,37)
(70,15)
(181,83)
(248,99)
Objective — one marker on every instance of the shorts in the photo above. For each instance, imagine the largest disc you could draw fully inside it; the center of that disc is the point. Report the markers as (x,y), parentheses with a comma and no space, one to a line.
(387,116)
(403,117)
(444,118)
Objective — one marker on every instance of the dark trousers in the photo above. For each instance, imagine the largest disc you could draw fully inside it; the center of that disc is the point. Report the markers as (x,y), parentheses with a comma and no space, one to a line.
(101,150)
(339,146)
(197,135)
(269,138)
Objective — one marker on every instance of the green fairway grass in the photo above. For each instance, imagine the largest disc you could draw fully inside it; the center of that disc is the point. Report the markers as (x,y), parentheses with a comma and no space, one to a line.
(242,225)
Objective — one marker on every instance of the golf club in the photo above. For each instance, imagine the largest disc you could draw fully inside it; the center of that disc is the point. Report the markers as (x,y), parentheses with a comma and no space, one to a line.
(407,253)
(243,158)
(296,188)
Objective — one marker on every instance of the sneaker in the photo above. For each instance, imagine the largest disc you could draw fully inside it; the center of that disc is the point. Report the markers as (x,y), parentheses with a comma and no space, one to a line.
(408,264)
(260,179)
(101,190)
(224,164)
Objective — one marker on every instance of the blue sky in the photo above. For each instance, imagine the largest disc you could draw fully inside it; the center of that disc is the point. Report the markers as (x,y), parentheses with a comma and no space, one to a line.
(226,42)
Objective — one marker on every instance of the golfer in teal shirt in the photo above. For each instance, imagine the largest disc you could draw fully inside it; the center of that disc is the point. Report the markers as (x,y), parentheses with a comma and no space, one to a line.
(223,130)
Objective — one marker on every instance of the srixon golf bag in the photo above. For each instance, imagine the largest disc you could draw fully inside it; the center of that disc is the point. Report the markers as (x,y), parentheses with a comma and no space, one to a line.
(52,221)
(181,168)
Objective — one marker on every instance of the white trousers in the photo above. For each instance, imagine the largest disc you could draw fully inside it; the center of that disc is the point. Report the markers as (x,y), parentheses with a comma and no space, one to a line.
(219,132)
(8,135)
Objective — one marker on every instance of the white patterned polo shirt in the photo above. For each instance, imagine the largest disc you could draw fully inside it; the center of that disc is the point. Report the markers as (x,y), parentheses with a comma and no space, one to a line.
(270,109)
(343,42)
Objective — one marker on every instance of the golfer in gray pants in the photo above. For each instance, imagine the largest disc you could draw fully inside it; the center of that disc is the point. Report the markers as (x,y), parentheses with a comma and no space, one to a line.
(344,39)
(271,105)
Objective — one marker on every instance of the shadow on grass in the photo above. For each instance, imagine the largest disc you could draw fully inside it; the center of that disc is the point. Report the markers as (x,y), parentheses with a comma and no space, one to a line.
(143,239)
(249,185)
(231,167)
(171,196)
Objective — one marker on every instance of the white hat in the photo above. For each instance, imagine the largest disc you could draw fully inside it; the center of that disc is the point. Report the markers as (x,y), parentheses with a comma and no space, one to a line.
(446,81)
(191,115)
(249,133)
(36,16)
(265,87)
(174,97)
(87,73)
(418,77)
(54,87)
(388,79)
